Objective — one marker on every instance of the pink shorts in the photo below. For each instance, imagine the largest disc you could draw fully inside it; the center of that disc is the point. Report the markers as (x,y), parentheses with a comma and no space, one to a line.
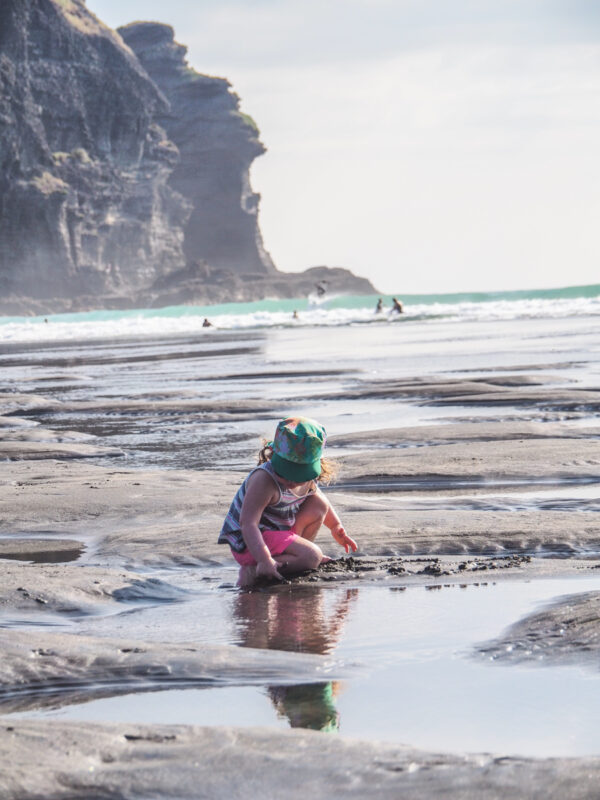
(276,541)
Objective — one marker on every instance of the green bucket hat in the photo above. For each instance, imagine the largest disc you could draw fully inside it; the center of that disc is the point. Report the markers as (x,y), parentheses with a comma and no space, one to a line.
(297,449)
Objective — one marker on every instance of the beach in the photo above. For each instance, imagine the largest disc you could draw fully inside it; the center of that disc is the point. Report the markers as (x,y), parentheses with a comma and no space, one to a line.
(454,654)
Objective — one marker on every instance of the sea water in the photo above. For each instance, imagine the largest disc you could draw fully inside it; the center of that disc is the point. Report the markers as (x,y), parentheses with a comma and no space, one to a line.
(328,311)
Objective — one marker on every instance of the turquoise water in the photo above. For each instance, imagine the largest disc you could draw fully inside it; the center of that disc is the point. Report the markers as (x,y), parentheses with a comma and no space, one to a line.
(563,293)
(326,311)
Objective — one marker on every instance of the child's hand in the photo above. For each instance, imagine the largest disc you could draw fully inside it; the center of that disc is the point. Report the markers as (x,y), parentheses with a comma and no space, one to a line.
(341,537)
(268,569)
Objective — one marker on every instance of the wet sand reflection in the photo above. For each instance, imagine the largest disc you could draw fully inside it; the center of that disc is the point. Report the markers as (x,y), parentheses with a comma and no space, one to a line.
(300,621)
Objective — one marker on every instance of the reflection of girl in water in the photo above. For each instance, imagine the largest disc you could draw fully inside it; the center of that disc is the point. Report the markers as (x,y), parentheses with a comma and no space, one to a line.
(296,621)
(310,705)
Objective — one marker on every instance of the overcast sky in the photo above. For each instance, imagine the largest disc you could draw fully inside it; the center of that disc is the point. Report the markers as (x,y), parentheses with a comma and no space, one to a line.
(430,145)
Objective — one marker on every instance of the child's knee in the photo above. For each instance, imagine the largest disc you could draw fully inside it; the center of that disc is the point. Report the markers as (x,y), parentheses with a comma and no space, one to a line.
(316,506)
(309,555)
(315,557)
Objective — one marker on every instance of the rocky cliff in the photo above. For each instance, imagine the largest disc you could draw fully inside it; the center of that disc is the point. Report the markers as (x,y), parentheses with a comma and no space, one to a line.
(124,174)
(85,205)
(217,145)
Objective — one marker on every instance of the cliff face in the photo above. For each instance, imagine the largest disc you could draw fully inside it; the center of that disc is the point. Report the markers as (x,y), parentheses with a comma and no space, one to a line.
(124,174)
(217,145)
(84,202)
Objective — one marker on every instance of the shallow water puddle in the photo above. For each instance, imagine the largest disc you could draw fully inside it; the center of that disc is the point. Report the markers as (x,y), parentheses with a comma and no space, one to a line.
(20,620)
(419,681)
(453,483)
(47,557)
(582,496)
(36,549)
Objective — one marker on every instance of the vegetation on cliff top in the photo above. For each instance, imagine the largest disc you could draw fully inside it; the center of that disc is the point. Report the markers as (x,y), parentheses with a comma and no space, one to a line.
(247,120)
(80,18)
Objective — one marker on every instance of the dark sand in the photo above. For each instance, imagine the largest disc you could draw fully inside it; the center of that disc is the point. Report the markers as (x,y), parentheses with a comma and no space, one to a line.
(565,632)
(116,521)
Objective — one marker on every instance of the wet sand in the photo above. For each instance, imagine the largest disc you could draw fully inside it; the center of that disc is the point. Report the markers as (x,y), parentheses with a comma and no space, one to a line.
(111,761)
(81,531)
(565,632)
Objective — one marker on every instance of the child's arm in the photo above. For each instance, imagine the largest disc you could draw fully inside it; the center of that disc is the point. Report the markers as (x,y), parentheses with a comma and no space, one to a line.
(259,494)
(333,522)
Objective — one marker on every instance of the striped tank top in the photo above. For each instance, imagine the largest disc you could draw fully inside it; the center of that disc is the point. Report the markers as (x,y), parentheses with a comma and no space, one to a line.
(281,516)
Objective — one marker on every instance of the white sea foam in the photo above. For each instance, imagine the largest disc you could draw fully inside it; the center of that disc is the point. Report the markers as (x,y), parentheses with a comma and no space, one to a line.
(337,311)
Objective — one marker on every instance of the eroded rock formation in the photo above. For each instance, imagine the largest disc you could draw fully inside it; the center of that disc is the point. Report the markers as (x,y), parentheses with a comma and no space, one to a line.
(217,145)
(85,205)
(124,174)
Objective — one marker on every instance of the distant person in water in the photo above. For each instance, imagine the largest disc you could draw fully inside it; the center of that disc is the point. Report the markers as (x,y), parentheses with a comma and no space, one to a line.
(321,287)
(207,323)
(379,306)
(294,314)
(397,306)
(278,510)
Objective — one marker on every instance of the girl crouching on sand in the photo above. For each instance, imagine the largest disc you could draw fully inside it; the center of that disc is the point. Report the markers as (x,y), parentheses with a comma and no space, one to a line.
(278,510)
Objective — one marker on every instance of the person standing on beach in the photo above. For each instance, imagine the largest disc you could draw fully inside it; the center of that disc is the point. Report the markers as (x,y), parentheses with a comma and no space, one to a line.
(278,510)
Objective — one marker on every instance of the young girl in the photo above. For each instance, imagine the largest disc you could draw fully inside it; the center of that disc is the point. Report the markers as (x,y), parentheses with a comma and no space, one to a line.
(278,510)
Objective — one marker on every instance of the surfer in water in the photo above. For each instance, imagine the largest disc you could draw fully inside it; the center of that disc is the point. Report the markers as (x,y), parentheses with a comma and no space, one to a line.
(321,288)
(379,306)
(397,306)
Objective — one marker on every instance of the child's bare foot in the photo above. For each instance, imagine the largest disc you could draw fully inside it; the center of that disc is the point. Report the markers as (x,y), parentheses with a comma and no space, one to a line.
(246,576)
(325,559)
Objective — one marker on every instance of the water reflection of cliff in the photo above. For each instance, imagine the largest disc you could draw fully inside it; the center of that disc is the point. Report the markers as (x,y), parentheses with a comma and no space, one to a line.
(301,621)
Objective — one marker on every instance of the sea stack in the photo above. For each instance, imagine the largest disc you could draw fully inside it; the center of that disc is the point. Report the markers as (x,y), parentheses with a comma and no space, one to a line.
(217,145)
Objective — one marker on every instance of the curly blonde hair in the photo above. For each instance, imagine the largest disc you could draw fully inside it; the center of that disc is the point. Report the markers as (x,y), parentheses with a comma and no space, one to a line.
(329,468)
